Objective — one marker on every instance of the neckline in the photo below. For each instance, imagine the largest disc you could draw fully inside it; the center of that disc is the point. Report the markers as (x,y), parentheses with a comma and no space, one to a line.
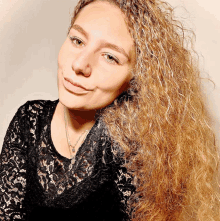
(60,156)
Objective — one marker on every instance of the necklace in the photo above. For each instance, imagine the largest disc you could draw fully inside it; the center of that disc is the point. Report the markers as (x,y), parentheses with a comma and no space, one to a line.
(72,147)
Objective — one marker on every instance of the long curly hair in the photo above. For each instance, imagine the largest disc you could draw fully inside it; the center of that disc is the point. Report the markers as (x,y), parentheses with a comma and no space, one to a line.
(161,121)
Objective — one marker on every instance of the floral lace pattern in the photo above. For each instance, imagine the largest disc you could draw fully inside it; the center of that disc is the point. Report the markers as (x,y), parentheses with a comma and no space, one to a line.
(30,166)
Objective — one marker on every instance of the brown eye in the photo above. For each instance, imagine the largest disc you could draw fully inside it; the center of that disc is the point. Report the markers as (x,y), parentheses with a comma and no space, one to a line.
(76,41)
(111,59)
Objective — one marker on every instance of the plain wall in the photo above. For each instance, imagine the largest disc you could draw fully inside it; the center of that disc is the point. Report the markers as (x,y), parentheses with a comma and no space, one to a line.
(32,32)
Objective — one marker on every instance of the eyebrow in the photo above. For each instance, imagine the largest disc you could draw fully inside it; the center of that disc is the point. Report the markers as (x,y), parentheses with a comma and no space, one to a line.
(104,44)
(81,30)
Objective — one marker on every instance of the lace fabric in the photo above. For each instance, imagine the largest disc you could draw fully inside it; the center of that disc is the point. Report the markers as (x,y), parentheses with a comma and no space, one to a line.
(34,177)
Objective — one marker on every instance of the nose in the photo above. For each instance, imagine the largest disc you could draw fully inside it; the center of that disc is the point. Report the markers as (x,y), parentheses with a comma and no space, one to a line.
(82,64)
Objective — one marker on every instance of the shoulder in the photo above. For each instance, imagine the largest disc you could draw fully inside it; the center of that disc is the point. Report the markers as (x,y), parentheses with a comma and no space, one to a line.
(32,111)
(36,106)
(40,104)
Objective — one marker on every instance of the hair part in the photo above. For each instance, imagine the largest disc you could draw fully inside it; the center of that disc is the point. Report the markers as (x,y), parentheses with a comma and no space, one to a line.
(161,121)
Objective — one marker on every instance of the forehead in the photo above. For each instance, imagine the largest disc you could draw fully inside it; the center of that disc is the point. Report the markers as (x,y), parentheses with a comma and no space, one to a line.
(104,20)
(101,8)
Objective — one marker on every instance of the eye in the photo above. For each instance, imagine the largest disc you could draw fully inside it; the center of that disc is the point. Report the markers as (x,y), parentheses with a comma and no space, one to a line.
(111,59)
(76,41)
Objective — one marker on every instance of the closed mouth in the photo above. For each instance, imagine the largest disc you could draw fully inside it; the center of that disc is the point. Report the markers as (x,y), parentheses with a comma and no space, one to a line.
(75,84)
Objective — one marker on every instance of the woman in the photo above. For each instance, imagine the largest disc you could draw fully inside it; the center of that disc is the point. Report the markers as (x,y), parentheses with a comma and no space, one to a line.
(128,138)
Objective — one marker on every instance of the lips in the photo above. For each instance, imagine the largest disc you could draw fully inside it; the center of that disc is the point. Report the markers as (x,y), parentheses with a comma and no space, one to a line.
(74,87)
(75,84)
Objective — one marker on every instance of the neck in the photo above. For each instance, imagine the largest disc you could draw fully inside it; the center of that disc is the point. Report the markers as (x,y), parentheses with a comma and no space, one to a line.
(80,121)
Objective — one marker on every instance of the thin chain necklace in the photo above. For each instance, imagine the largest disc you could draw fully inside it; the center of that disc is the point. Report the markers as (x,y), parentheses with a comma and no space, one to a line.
(72,147)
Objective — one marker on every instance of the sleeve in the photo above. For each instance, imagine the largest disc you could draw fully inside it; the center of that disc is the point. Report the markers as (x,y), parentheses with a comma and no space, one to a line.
(13,169)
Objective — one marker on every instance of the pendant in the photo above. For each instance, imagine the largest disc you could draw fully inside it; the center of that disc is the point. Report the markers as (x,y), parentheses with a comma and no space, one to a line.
(73,148)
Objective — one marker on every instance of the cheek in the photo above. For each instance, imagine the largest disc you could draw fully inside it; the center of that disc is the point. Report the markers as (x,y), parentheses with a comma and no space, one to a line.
(63,55)
(60,60)
(114,81)
(59,79)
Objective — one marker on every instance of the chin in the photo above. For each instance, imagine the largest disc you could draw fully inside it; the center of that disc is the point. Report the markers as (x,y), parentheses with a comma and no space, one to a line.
(71,103)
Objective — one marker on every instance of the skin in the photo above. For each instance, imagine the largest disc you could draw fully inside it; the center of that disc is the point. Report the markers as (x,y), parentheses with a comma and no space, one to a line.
(88,58)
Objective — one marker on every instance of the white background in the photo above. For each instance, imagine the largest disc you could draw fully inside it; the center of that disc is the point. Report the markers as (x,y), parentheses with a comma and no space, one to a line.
(32,32)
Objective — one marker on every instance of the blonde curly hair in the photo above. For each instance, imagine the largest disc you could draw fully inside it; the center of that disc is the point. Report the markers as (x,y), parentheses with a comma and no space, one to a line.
(161,121)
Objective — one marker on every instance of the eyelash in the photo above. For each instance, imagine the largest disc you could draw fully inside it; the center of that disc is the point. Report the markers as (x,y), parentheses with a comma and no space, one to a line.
(74,38)
(113,59)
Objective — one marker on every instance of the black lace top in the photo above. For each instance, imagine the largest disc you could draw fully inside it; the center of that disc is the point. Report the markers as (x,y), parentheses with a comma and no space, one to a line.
(37,183)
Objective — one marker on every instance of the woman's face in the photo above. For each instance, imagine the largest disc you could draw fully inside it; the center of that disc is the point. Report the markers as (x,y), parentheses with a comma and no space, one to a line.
(98,55)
